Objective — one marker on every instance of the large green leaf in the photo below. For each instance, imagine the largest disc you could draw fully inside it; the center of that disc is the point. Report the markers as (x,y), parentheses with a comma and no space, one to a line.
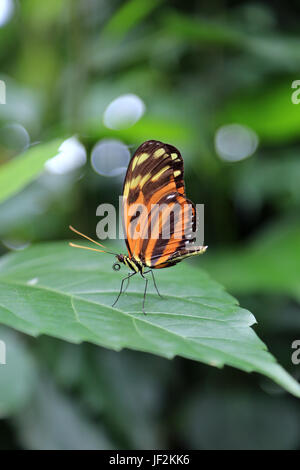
(55,290)
(20,171)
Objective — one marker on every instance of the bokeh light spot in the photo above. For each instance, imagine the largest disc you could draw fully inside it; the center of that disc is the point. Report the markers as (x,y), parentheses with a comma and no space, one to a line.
(6,11)
(123,112)
(71,156)
(234,142)
(110,157)
(33,281)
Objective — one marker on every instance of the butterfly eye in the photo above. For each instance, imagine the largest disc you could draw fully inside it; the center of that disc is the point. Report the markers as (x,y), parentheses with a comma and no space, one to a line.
(116,267)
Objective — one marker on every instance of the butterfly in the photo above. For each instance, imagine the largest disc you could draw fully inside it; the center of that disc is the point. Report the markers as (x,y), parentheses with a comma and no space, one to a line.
(159,221)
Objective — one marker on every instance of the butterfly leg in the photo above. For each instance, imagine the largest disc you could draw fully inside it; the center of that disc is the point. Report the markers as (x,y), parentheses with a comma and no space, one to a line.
(128,278)
(145,291)
(121,289)
(154,282)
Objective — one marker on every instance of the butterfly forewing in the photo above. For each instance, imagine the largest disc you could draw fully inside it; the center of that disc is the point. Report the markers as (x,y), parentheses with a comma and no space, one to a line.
(159,221)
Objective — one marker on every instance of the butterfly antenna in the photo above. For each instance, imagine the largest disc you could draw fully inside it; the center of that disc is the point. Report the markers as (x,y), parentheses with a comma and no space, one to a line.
(91,240)
(86,248)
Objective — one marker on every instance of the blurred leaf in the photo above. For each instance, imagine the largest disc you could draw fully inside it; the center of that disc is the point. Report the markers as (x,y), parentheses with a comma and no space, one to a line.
(40,16)
(202,30)
(267,110)
(278,51)
(17,376)
(57,423)
(20,171)
(142,379)
(282,53)
(269,264)
(39,210)
(160,129)
(275,180)
(131,13)
(239,420)
(50,289)
(64,361)
(99,375)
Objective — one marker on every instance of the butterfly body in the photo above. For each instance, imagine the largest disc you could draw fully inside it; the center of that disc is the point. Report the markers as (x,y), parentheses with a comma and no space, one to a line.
(131,263)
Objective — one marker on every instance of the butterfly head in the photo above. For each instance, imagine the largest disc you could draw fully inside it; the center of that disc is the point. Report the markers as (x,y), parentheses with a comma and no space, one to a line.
(116,265)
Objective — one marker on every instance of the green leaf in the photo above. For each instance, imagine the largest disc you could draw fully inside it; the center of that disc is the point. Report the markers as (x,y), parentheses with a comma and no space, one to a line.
(53,289)
(270,264)
(20,171)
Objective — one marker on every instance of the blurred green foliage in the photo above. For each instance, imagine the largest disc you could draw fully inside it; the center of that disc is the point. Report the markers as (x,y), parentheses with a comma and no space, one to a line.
(197,66)
(19,172)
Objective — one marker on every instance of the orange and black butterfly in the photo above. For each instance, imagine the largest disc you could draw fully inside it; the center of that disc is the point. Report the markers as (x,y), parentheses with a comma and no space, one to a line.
(159,221)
